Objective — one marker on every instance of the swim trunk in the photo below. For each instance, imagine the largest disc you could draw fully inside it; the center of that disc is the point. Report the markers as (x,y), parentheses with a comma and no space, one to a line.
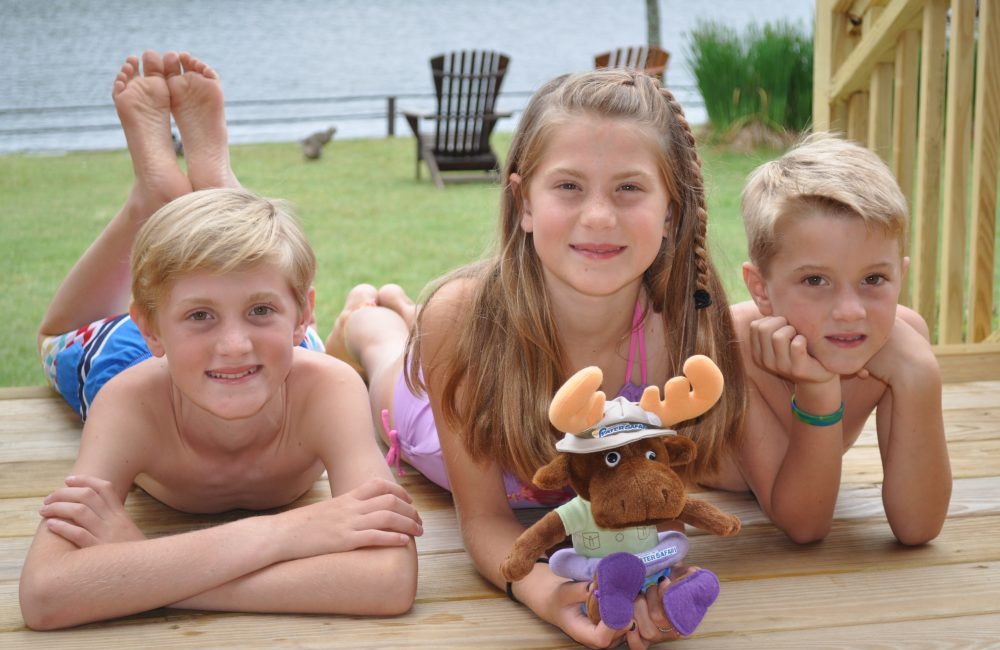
(78,363)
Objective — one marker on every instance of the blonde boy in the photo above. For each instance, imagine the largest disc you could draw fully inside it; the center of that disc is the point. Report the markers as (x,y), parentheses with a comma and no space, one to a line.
(205,398)
(825,344)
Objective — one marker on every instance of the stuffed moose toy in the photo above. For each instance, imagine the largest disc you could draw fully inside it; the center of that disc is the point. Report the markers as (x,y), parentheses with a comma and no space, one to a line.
(618,457)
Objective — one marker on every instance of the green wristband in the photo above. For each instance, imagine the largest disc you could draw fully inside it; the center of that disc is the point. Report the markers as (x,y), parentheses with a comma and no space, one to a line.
(818,420)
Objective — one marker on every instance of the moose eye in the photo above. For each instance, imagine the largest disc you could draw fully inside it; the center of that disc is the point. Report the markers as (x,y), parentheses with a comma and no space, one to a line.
(612,458)
(650,455)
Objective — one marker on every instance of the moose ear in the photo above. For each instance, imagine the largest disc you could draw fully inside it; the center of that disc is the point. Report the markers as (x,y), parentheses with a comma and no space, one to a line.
(554,475)
(682,449)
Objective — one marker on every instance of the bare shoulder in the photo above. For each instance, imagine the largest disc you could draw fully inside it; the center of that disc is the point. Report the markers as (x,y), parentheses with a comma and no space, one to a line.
(319,384)
(743,314)
(914,320)
(123,434)
(448,302)
(330,419)
(443,316)
(137,398)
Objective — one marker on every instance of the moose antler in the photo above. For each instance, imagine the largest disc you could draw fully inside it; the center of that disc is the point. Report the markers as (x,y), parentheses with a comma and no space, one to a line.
(578,405)
(688,396)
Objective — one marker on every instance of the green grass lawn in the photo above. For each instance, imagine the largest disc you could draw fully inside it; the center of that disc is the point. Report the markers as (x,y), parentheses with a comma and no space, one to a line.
(367,216)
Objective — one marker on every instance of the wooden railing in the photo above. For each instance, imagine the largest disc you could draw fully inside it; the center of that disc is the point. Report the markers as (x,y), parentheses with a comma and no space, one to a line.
(918,82)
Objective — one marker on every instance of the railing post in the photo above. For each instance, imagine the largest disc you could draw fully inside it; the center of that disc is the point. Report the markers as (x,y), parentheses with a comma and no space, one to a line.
(930,132)
(822,64)
(957,138)
(391,112)
(982,255)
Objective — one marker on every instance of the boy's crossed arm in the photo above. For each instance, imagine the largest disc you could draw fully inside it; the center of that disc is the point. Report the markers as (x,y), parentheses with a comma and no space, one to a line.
(90,562)
(797,480)
(916,487)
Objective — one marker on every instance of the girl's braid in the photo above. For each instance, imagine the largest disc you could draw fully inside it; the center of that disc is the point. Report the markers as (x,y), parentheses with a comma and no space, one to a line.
(696,182)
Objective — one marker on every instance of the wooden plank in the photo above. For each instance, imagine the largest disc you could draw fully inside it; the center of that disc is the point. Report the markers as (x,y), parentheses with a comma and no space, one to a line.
(971,459)
(822,64)
(923,264)
(904,120)
(855,71)
(971,424)
(25,392)
(24,417)
(958,134)
(12,552)
(968,362)
(970,394)
(857,117)
(969,632)
(744,607)
(982,260)
(880,111)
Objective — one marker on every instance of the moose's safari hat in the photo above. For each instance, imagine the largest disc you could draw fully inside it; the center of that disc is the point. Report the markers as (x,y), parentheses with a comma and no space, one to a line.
(623,422)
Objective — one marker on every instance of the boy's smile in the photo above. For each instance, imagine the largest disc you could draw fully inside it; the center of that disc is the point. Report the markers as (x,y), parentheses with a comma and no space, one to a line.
(837,284)
(229,338)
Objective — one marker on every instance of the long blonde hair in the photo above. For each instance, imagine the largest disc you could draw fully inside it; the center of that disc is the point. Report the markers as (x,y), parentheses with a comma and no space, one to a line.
(508,361)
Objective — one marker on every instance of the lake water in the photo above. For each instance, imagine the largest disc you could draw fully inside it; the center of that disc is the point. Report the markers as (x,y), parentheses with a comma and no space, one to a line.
(286,65)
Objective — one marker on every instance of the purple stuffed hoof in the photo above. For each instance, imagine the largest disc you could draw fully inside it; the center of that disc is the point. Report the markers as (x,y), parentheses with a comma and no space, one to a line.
(686,602)
(619,581)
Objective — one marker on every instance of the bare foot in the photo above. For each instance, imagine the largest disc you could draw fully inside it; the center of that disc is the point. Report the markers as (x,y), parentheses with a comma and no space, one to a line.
(197,104)
(393,297)
(363,295)
(143,104)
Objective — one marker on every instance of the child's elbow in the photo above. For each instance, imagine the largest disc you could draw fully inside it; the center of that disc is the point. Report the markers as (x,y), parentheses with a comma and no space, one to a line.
(400,590)
(916,533)
(807,533)
(390,582)
(39,608)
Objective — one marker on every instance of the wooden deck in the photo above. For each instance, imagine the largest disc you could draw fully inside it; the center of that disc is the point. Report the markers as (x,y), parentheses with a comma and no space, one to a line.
(857,589)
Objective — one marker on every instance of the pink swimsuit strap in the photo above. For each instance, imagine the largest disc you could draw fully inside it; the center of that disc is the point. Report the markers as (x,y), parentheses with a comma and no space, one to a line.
(637,340)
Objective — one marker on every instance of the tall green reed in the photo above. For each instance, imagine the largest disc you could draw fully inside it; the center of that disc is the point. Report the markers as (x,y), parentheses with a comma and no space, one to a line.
(763,74)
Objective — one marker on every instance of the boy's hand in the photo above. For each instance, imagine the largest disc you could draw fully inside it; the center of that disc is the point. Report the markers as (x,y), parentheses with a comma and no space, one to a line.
(376,513)
(778,348)
(88,512)
(901,348)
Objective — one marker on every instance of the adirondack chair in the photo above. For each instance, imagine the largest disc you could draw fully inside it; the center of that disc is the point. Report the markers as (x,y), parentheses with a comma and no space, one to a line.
(466,85)
(648,58)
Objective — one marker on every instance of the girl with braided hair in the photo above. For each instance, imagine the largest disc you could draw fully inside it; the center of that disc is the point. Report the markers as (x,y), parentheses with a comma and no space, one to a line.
(600,260)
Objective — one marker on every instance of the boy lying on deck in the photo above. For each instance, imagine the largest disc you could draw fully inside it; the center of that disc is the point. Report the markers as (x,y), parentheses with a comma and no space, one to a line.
(825,344)
(211,402)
